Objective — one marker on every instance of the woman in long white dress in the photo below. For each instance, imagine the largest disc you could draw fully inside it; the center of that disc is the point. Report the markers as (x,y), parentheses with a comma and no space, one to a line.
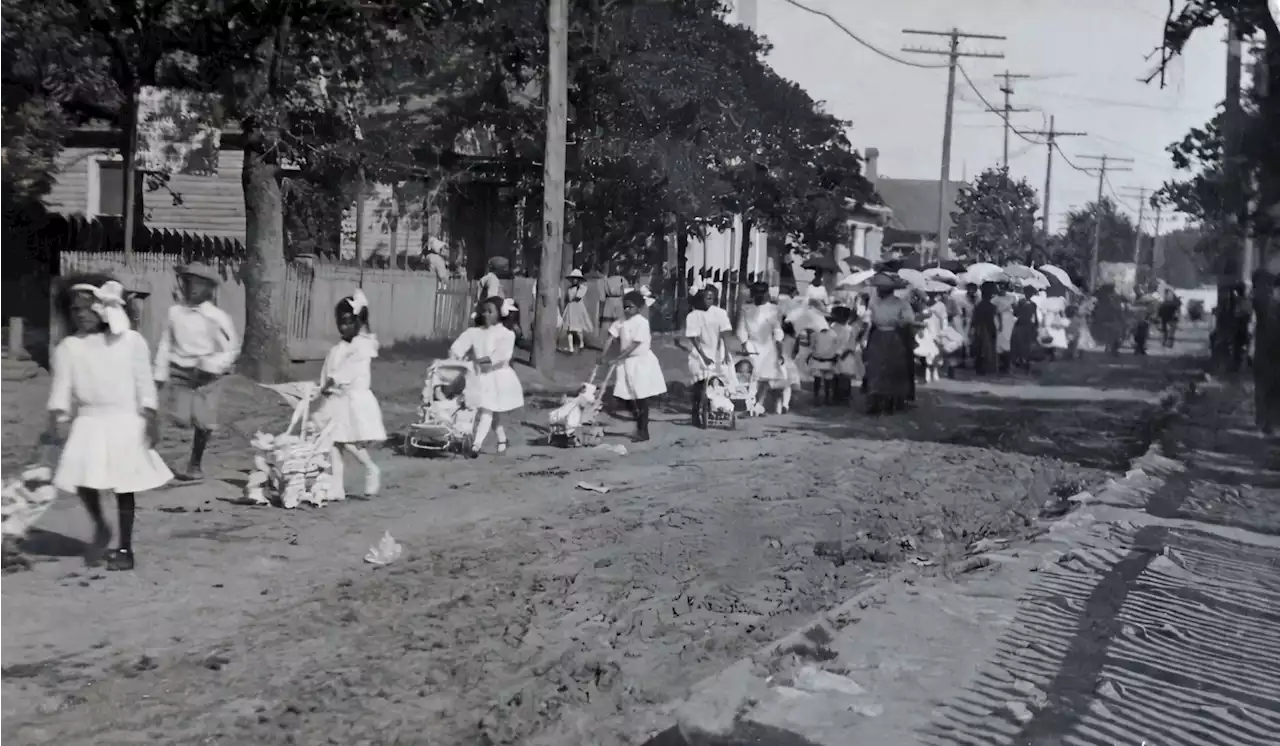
(575,320)
(494,388)
(639,378)
(102,408)
(760,332)
(346,381)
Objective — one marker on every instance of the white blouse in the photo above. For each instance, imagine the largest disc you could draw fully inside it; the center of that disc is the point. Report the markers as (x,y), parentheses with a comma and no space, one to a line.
(634,330)
(102,371)
(497,342)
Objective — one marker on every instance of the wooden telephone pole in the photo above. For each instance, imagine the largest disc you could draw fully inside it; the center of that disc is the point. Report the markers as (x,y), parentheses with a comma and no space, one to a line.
(1105,161)
(1007,90)
(548,302)
(953,54)
(1051,136)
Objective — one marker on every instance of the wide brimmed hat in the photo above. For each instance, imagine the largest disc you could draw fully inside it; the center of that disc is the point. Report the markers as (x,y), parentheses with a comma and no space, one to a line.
(574,275)
(887,281)
(201,270)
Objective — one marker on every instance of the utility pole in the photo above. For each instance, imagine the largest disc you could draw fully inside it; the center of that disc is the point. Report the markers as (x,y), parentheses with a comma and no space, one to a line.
(1051,136)
(953,55)
(1137,238)
(1102,170)
(1007,90)
(544,325)
(1157,248)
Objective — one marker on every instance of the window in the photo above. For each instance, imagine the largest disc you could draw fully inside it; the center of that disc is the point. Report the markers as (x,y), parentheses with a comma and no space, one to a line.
(110,200)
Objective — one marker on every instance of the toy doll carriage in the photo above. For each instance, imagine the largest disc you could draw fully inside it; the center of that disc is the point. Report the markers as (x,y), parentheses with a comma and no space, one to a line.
(718,409)
(445,422)
(575,421)
(294,467)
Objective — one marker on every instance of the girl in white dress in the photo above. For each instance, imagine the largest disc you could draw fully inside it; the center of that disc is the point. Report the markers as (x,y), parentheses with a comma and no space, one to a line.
(494,388)
(102,407)
(639,376)
(760,332)
(348,401)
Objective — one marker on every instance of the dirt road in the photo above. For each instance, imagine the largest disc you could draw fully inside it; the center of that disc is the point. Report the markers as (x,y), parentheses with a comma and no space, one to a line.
(526,610)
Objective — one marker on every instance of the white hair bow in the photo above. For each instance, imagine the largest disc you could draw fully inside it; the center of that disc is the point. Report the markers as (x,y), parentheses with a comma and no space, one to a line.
(508,307)
(644,290)
(109,304)
(358,302)
(697,286)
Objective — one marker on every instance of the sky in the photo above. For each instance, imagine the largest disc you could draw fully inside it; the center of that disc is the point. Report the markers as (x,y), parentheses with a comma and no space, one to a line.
(1085,59)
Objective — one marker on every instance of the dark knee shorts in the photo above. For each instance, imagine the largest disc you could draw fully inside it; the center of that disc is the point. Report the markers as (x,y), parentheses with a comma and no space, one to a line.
(193,397)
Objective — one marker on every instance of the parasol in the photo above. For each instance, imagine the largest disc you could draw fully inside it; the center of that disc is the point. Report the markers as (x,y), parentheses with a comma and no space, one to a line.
(821,262)
(937,286)
(914,277)
(953,265)
(941,275)
(856,263)
(1059,274)
(1025,276)
(983,272)
(857,278)
(807,318)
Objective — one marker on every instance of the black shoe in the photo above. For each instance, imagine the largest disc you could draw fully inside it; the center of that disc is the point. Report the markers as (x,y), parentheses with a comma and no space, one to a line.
(120,560)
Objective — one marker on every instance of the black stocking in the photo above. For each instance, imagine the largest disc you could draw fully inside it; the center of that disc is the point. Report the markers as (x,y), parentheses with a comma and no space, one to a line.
(125,506)
(92,500)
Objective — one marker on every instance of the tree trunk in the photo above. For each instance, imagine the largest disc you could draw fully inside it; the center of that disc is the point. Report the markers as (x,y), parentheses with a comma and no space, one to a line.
(265,355)
(744,258)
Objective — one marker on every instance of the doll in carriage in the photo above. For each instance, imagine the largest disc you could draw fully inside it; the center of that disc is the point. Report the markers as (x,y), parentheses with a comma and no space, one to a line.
(575,421)
(717,403)
(742,391)
(445,422)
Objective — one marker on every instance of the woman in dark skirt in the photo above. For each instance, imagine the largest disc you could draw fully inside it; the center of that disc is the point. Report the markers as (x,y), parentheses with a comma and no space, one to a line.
(1026,328)
(888,372)
(984,329)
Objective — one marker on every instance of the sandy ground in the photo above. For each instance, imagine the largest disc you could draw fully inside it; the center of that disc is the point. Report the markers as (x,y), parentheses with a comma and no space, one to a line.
(524,610)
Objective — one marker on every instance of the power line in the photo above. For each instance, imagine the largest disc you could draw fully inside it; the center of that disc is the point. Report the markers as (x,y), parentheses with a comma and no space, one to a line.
(847,32)
(993,109)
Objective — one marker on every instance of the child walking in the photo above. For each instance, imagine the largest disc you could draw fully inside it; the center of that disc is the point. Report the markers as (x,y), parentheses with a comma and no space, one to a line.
(348,401)
(639,377)
(102,407)
(197,349)
(494,389)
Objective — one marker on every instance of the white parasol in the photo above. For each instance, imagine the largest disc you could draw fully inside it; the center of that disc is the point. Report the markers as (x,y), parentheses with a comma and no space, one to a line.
(913,277)
(1025,276)
(983,272)
(1060,275)
(941,275)
(937,286)
(857,278)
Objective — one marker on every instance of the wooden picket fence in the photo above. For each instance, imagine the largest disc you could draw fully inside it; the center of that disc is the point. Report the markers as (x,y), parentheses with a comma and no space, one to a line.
(404,305)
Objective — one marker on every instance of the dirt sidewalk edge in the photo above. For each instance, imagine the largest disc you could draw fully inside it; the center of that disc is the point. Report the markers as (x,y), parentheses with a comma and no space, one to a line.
(714,710)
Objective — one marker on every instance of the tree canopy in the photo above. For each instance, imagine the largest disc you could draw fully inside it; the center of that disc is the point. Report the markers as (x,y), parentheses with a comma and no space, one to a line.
(1115,241)
(676,122)
(995,218)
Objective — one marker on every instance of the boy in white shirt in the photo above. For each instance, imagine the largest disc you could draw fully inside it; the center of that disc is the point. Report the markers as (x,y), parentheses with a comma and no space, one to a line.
(198,347)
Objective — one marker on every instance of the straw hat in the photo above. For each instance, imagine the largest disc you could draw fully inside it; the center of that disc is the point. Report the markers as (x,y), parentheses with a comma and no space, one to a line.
(886,280)
(201,270)
(574,275)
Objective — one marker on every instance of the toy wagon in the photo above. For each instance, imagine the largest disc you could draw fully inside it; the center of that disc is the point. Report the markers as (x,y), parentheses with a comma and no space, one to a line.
(575,421)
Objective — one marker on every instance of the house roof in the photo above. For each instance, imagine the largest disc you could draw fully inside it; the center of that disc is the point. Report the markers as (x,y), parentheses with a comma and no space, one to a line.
(915,202)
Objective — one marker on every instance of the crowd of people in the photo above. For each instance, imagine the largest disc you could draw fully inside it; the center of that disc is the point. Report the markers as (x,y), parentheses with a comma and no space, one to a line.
(880,337)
